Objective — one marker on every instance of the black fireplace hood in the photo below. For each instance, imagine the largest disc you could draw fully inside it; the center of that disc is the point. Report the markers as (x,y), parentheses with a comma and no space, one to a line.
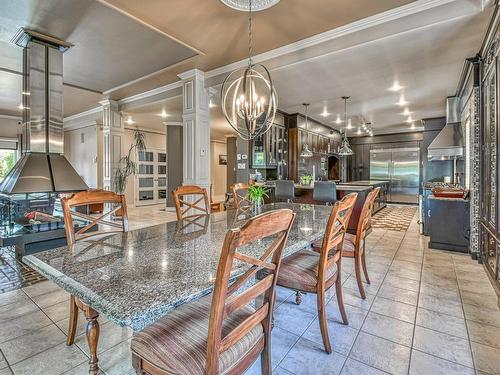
(42,166)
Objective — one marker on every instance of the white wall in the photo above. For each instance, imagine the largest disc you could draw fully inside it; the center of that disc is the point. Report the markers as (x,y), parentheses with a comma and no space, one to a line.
(81,149)
(154,140)
(218,172)
(9,127)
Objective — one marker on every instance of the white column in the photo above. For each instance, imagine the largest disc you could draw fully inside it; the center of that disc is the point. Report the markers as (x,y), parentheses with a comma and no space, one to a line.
(113,133)
(196,129)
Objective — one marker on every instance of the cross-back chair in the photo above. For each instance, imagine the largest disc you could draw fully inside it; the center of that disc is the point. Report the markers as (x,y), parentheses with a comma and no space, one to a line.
(221,333)
(118,209)
(186,209)
(240,195)
(104,224)
(311,272)
(354,244)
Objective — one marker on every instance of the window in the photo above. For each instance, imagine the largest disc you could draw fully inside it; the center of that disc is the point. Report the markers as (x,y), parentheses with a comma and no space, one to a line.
(7,161)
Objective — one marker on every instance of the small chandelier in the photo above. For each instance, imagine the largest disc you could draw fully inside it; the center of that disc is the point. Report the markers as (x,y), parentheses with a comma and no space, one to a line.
(345,148)
(306,153)
(248,97)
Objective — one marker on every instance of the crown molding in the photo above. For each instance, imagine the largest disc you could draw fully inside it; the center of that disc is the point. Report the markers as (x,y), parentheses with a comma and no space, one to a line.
(80,115)
(150,93)
(191,73)
(353,27)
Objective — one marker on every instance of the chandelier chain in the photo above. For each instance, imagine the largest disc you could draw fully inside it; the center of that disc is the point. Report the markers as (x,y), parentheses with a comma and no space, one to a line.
(250,35)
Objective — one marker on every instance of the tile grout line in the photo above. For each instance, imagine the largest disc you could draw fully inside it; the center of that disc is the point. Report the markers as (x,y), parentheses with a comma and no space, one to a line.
(364,319)
(465,318)
(416,309)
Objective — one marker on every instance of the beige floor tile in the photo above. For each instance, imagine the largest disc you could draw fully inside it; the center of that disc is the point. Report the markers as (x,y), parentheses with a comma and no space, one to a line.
(32,343)
(484,334)
(444,346)
(381,354)
(491,317)
(479,300)
(393,309)
(41,288)
(388,328)
(441,322)
(440,304)
(23,325)
(13,297)
(422,363)
(117,360)
(62,359)
(16,309)
(486,358)
(401,282)
(353,367)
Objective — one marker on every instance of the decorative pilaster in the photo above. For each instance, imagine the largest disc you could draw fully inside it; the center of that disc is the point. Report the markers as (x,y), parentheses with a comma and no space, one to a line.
(196,129)
(475,166)
(112,133)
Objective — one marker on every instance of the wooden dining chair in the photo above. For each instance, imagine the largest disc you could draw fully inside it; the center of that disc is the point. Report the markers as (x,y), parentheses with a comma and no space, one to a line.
(106,223)
(354,244)
(240,195)
(310,272)
(226,331)
(186,209)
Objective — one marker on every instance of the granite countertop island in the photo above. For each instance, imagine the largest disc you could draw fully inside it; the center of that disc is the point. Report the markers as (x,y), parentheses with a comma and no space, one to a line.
(135,278)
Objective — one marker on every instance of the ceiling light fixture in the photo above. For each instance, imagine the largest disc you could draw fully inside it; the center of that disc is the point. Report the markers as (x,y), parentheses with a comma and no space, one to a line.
(129,121)
(244,5)
(402,101)
(164,114)
(345,148)
(396,86)
(338,120)
(359,131)
(349,124)
(249,100)
(412,125)
(409,120)
(306,153)
(324,113)
(406,112)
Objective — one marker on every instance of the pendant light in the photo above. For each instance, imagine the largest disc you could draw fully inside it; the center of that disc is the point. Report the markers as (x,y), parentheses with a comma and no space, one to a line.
(248,97)
(345,148)
(306,153)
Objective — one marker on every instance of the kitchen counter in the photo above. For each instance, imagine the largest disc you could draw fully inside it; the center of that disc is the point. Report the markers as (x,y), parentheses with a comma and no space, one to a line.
(365,182)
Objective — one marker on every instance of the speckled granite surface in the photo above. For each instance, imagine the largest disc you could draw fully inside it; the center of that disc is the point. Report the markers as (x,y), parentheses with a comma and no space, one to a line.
(135,278)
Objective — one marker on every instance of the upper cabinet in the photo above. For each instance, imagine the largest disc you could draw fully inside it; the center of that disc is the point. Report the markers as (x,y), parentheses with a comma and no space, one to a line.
(270,149)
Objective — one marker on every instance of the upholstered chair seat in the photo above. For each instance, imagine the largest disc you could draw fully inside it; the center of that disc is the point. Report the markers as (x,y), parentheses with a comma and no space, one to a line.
(177,343)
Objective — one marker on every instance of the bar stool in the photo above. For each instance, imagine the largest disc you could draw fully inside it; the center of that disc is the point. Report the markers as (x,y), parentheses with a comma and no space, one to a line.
(325,191)
(284,191)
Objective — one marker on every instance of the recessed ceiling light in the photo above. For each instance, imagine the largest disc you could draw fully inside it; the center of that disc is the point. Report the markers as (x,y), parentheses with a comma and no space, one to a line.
(412,125)
(406,112)
(129,120)
(338,120)
(349,124)
(164,114)
(409,120)
(359,131)
(402,101)
(396,86)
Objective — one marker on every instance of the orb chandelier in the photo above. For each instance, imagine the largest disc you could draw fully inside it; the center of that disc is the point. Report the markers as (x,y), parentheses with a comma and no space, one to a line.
(306,153)
(345,148)
(248,97)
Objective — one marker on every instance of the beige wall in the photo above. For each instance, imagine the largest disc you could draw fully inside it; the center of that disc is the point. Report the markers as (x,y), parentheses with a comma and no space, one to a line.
(219,172)
(81,149)
(9,127)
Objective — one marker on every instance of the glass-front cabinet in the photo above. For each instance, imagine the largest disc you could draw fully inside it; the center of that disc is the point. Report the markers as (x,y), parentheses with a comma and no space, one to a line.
(490,196)
(270,149)
(151,177)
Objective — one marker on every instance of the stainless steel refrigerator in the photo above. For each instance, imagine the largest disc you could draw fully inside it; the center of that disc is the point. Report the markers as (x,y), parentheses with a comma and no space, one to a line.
(401,167)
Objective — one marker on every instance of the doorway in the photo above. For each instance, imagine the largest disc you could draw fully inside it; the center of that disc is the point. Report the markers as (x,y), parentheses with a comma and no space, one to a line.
(151,177)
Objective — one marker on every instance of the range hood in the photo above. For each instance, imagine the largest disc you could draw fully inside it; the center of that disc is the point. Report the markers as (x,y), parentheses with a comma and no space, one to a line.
(449,143)
(42,166)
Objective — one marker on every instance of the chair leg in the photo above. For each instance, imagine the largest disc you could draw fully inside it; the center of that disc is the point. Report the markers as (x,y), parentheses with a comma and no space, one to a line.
(357,268)
(73,321)
(340,300)
(363,262)
(321,301)
(265,356)
(298,297)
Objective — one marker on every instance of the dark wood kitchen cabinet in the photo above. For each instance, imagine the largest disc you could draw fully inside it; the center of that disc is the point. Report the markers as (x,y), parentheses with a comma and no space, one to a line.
(490,176)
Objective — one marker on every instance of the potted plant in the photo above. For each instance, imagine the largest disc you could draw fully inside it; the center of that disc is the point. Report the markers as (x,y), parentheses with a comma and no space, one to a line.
(305,179)
(127,166)
(256,194)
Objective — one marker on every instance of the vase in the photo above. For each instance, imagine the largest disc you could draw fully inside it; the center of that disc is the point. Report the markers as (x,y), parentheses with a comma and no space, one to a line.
(257,206)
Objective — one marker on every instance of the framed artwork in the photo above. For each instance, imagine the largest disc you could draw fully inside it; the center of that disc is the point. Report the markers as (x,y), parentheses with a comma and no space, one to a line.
(222,159)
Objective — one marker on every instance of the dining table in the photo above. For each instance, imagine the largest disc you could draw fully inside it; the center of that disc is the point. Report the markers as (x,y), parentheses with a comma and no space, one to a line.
(135,278)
